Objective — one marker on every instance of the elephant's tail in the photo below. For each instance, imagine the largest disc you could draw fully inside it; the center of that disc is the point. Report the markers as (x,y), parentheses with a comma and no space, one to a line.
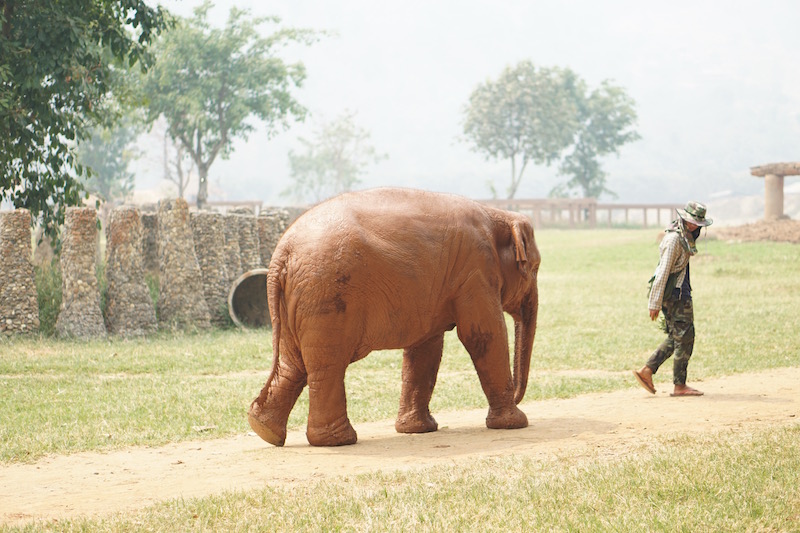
(275,278)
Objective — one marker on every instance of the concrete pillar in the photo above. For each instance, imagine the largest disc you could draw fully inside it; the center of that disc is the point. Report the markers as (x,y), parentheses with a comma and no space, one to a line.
(773,197)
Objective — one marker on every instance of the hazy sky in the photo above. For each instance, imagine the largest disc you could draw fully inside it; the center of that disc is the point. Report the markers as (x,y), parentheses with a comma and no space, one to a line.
(716,85)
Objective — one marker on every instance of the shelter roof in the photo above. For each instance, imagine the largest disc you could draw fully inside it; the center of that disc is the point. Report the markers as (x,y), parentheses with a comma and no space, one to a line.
(777,169)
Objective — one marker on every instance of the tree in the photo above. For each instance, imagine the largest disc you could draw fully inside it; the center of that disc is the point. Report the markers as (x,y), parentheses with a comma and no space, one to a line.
(107,154)
(178,167)
(208,83)
(537,114)
(333,161)
(527,115)
(59,61)
(170,156)
(606,117)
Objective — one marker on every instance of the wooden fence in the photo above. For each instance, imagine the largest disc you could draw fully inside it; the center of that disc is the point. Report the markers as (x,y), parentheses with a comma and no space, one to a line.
(571,212)
(587,212)
(225,205)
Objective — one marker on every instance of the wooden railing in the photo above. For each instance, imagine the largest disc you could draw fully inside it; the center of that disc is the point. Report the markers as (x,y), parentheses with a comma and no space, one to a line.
(585,212)
(226,205)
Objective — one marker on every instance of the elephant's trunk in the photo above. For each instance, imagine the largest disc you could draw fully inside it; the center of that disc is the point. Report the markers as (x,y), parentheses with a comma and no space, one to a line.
(524,332)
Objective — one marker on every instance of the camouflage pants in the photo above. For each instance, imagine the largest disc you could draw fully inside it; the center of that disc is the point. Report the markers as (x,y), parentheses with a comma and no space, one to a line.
(679,319)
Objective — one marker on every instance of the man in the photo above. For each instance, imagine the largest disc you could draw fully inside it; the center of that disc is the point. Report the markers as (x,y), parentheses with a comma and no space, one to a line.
(671,292)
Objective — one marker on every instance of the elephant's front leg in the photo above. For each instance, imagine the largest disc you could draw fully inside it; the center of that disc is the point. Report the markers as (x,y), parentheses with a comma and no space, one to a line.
(420,368)
(328,424)
(482,331)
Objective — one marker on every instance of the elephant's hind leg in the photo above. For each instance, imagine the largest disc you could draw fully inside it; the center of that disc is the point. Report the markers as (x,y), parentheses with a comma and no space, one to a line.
(328,424)
(420,368)
(269,413)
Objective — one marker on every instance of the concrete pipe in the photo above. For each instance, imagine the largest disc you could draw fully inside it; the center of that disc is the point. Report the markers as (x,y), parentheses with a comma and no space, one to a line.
(247,299)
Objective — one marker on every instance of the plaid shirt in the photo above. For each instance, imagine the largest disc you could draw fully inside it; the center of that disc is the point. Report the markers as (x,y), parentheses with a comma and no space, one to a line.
(674,258)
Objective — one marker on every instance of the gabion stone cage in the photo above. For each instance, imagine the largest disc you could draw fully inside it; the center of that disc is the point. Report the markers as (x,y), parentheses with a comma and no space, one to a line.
(19,310)
(181,300)
(129,308)
(249,254)
(271,225)
(80,314)
(208,230)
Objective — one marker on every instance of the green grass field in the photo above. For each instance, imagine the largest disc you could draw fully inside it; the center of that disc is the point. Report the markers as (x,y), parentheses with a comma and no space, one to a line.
(59,397)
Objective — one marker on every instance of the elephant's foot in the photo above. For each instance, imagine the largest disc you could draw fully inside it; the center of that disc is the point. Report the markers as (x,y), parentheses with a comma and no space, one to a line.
(338,434)
(415,422)
(507,418)
(265,427)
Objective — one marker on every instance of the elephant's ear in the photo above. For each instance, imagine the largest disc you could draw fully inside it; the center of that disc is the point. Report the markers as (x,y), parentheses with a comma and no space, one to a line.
(519,243)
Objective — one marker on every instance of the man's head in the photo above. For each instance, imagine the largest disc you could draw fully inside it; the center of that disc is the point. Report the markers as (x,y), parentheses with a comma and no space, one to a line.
(694,215)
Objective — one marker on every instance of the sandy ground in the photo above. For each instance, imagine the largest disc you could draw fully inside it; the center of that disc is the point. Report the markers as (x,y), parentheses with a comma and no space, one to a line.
(92,484)
(784,230)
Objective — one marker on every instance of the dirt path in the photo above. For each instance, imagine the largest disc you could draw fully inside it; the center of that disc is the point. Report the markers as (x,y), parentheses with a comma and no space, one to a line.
(613,423)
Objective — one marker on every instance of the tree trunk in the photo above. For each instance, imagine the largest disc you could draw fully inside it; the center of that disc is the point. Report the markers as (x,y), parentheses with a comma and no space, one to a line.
(516,178)
(202,187)
(513,189)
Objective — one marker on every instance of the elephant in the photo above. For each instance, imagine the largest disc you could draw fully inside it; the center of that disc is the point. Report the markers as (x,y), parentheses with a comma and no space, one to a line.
(395,268)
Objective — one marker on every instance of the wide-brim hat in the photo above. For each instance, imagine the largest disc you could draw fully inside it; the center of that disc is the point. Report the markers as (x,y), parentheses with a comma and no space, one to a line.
(695,212)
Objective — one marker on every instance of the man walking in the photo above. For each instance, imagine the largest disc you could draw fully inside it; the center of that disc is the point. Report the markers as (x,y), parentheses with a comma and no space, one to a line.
(671,293)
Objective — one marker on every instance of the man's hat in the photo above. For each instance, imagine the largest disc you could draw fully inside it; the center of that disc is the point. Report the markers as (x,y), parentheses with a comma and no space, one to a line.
(695,213)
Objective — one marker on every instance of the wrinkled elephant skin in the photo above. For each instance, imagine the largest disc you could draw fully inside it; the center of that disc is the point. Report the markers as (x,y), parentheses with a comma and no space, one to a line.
(389,269)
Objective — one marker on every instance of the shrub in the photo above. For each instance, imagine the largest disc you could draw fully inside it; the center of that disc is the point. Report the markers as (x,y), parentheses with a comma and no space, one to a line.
(48,295)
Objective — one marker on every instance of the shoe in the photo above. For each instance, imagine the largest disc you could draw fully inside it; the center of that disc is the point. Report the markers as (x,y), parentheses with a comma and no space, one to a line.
(644,383)
(688,391)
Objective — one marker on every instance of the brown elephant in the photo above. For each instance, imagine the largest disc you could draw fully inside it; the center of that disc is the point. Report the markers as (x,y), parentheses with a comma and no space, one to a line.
(396,268)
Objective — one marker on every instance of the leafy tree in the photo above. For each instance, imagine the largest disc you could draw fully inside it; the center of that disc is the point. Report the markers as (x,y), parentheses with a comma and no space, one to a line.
(606,117)
(333,161)
(209,82)
(527,115)
(59,62)
(532,114)
(107,154)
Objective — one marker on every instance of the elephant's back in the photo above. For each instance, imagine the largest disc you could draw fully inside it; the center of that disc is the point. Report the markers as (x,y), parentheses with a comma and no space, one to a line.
(396,211)
(395,229)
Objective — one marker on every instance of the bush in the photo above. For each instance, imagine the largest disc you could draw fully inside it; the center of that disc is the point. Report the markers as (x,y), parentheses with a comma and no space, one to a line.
(152,282)
(48,295)
(102,285)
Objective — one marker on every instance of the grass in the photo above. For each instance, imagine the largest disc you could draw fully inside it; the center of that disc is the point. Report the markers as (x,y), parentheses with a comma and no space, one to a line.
(727,483)
(69,396)
(65,396)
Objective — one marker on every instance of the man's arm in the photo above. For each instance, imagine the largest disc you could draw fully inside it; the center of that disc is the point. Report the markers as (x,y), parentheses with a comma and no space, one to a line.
(668,255)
